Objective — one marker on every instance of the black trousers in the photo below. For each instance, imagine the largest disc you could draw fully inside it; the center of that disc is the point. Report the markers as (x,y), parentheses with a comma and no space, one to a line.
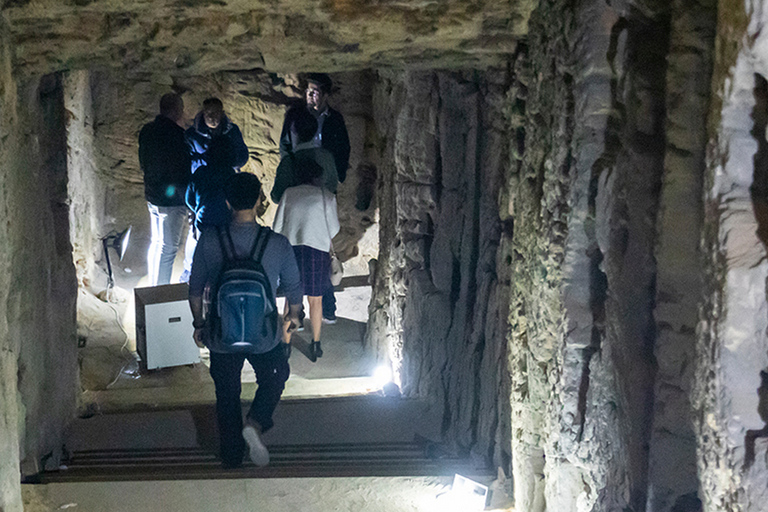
(271,370)
(329,303)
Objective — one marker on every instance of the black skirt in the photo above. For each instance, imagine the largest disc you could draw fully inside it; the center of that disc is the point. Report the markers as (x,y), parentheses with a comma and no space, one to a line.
(315,269)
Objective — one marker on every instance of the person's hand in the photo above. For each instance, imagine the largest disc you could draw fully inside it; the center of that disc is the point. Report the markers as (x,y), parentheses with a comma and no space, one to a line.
(198,336)
(293,322)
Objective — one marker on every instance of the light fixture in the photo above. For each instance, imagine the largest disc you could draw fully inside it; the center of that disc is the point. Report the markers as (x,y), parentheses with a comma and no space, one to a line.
(381,376)
(465,495)
(382,381)
(118,242)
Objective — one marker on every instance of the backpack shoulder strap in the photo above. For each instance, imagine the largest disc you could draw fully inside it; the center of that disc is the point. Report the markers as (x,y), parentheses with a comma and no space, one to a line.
(263,236)
(231,243)
(259,235)
(224,250)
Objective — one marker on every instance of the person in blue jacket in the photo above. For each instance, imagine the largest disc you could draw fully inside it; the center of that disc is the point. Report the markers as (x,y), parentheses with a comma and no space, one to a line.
(205,193)
(213,122)
(209,124)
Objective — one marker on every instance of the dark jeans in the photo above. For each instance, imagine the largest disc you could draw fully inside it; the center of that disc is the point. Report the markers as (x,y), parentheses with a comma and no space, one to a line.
(271,370)
(329,303)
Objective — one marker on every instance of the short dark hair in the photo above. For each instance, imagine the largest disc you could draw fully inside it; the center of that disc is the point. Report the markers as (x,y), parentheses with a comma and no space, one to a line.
(309,171)
(211,103)
(322,80)
(305,125)
(170,102)
(242,191)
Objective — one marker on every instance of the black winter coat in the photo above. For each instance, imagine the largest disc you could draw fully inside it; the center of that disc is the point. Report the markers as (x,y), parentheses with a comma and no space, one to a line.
(334,138)
(164,159)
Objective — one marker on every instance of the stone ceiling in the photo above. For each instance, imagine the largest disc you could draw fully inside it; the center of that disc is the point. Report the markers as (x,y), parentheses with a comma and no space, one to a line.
(202,36)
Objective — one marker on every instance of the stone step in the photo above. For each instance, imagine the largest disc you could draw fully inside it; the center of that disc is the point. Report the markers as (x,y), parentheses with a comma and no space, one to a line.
(370,419)
(326,437)
(286,461)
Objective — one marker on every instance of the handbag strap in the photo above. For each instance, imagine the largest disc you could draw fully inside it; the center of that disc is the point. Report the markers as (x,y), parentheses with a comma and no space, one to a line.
(328,227)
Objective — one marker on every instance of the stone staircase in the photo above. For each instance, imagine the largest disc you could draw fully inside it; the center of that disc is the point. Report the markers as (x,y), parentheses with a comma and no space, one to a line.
(364,436)
(286,461)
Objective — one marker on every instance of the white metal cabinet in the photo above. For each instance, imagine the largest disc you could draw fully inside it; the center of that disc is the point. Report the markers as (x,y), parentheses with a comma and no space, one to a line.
(164,327)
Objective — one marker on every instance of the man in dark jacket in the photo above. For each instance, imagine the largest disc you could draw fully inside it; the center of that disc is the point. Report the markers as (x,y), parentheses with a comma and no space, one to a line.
(331,135)
(331,131)
(164,159)
(288,173)
(211,123)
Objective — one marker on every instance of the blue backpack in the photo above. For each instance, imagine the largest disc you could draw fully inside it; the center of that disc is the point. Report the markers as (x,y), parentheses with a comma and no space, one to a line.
(244,309)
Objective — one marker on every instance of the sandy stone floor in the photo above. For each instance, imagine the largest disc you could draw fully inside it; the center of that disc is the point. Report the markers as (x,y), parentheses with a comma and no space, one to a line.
(111,377)
(369,494)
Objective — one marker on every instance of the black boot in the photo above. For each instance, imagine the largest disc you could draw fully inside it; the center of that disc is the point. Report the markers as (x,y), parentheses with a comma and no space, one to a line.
(315,350)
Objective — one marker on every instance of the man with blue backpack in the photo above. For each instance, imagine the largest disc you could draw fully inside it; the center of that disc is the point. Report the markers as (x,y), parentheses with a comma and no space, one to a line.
(239,266)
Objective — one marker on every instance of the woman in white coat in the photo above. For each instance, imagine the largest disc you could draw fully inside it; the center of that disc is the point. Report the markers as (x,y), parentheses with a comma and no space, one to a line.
(307,216)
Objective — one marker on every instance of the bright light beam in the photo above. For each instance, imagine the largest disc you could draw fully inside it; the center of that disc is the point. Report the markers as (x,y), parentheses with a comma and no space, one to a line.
(382,376)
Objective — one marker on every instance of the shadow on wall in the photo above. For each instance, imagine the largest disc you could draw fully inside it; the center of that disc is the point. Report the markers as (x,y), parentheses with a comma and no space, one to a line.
(762,409)
(759,191)
(687,503)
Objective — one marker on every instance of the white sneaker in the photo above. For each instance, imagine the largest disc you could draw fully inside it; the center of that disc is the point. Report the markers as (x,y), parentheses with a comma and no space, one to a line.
(329,321)
(258,452)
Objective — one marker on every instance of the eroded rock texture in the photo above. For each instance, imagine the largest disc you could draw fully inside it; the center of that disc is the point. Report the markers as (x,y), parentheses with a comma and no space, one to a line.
(439,305)
(732,347)
(672,458)
(586,207)
(38,369)
(198,37)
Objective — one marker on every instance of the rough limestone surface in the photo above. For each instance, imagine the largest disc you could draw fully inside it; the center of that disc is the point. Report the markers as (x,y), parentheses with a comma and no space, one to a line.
(86,190)
(672,458)
(732,346)
(585,205)
(43,286)
(442,168)
(201,36)
(561,264)
(38,366)
(11,413)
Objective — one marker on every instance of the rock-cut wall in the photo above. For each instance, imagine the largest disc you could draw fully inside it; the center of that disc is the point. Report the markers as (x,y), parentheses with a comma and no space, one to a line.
(438,309)
(606,253)
(38,347)
(731,388)
(10,402)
